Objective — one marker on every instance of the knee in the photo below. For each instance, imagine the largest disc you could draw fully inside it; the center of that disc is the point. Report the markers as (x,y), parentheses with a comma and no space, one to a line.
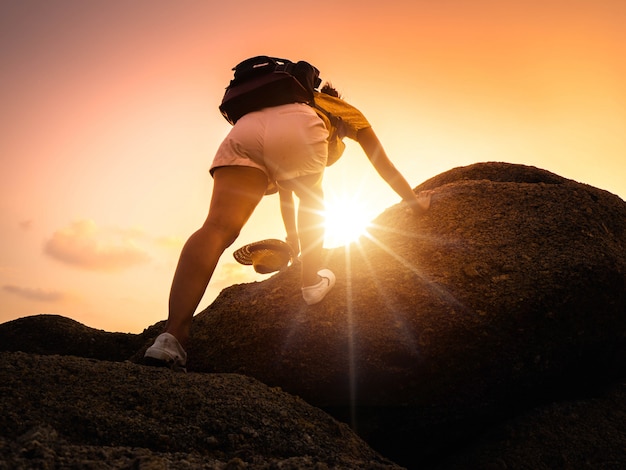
(223,234)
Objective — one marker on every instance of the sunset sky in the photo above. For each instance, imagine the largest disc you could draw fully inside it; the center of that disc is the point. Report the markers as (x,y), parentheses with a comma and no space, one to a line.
(109,122)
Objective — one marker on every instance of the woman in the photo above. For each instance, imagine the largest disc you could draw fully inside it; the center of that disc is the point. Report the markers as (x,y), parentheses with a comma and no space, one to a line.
(285,145)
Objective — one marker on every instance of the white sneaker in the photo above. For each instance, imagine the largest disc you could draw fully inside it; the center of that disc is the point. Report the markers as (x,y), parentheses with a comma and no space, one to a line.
(315,293)
(166,351)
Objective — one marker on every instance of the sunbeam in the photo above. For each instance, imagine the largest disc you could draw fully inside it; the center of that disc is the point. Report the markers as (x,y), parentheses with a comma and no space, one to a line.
(407,338)
(441,291)
(351,349)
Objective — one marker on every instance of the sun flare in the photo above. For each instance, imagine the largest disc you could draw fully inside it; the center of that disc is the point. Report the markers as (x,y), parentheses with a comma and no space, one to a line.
(345,221)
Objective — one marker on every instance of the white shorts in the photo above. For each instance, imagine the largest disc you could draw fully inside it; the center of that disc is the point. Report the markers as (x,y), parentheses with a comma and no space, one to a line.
(285,142)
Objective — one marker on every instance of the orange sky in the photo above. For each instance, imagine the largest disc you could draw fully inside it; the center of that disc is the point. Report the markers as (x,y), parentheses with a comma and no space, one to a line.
(109,122)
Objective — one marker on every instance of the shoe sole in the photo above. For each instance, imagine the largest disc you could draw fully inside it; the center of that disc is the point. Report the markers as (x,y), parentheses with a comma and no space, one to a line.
(160,363)
(157,357)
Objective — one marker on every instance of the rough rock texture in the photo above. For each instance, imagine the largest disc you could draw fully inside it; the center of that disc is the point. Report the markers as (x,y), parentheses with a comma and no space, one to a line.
(583,433)
(68,412)
(501,308)
(73,413)
(54,334)
(510,290)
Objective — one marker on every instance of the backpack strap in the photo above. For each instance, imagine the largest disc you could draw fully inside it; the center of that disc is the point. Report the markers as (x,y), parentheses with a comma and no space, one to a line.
(335,121)
(336,145)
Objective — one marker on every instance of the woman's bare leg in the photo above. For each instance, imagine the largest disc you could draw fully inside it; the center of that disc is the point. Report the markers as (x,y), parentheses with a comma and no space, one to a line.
(236,192)
(309,191)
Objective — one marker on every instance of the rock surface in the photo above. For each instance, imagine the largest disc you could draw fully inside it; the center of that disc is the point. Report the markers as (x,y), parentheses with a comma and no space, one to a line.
(501,308)
(509,291)
(74,413)
(69,412)
(55,334)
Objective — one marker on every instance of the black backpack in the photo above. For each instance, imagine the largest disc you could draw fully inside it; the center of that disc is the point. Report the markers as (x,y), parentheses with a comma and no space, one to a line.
(263,81)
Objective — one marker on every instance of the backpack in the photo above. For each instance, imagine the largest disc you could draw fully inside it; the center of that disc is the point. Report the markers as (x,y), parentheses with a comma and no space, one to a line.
(262,81)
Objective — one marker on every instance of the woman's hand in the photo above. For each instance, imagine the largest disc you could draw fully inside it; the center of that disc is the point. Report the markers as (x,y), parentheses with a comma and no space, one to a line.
(421,202)
(294,244)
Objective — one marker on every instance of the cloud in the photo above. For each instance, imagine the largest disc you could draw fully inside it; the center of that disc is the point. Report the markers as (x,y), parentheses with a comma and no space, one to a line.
(85,245)
(37,295)
(233,273)
(170,243)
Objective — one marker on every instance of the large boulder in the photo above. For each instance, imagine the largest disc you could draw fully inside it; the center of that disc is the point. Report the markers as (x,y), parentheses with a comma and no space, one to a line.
(69,412)
(515,276)
(55,334)
(510,289)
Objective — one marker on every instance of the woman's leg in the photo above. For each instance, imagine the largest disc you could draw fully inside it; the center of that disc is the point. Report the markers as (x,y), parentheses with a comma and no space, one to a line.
(310,223)
(236,192)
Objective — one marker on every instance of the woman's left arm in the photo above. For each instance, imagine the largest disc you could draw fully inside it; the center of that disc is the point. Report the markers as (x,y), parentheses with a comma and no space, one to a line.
(378,157)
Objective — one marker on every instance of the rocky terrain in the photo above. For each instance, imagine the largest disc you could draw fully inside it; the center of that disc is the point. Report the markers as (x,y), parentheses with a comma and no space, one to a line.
(489,333)
(70,412)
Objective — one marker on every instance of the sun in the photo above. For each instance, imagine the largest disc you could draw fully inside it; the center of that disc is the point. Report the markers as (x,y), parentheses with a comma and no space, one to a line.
(346,220)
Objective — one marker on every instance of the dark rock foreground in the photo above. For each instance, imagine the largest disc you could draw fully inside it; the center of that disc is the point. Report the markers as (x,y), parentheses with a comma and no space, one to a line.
(76,413)
(69,412)
(490,332)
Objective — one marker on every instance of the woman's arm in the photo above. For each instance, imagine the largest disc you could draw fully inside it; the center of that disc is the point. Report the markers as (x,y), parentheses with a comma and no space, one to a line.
(288,212)
(385,168)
